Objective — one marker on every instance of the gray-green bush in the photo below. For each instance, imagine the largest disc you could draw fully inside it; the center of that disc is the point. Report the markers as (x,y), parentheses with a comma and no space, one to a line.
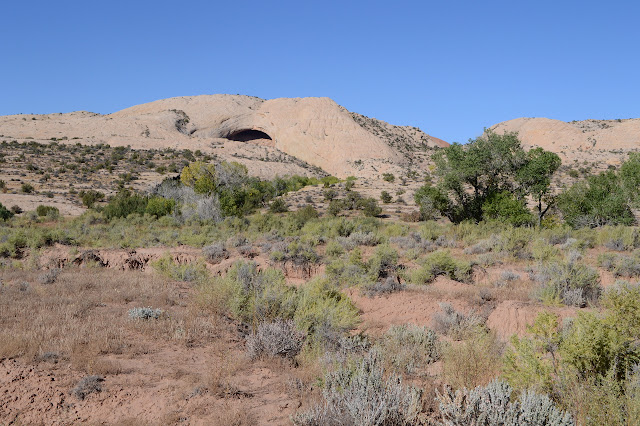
(494,405)
(359,395)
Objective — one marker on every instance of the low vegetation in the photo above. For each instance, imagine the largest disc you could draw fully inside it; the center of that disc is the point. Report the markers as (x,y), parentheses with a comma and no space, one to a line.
(357,318)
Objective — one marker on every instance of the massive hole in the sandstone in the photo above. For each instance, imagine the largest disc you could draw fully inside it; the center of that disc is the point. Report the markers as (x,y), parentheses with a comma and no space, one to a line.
(249,135)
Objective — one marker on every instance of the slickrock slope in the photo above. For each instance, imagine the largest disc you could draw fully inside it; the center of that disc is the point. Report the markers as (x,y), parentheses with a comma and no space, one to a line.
(605,141)
(316,131)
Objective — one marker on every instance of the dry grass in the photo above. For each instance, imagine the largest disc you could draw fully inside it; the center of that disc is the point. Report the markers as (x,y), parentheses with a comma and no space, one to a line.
(84,314)
(472,362)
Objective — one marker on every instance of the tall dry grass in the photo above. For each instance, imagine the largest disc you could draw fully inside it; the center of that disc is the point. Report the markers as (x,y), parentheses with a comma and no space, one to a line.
(84,314)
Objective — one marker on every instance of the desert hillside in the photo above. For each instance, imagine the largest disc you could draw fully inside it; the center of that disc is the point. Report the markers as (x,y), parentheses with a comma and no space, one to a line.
(316,131)
(594,141)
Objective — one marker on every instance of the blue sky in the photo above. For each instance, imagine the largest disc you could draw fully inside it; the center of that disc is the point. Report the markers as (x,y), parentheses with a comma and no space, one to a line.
(448,67)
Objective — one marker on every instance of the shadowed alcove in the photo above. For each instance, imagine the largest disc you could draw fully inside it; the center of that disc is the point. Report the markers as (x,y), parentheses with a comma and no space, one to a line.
(248,135)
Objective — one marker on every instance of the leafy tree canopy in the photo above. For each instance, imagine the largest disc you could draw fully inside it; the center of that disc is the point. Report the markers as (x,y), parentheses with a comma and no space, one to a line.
(473,174)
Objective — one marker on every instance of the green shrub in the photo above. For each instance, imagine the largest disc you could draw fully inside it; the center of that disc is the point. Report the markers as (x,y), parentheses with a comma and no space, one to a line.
(278,206)
(259,295)
(189,272)
(369,207)
(48,211)
(441,263)
(124,204)
(503,206)
(409,348)
(5,214)
(329,194)
(304,215)
(383,263)
(388,177)
(569,282)
(27,188)
(324,312)
(334,249)
(526,363)
(386,197)
(599,200)
(591,360)
(90,197)
(335,207)
(327,181)
(158,207)
(543,251)
(619,238)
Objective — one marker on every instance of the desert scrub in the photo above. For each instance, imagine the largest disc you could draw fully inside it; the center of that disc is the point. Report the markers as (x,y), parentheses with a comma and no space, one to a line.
(258,295)
(279,338)
(516,241)
(543,251)
(347,273)
(413,241)
(215,253)
(494,404)
(456,324)
(143,313)
(473,361)
(621,265)
(298,255)
(441,263)
(334,249)
(20,235)
(87,386)
(188,272)
(359,395)
(484,246)
(385,286)
(318,308)
(408,348)
(383,263)
(324,313)
(592,359)
(50,276)
(618,238)
(359,239)
(569,282)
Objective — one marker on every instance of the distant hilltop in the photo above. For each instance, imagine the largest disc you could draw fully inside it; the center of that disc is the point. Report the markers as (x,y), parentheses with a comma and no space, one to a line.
(589,140)
(316,131)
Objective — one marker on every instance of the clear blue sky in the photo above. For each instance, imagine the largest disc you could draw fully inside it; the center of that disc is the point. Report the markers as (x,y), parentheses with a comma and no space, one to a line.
(448,67)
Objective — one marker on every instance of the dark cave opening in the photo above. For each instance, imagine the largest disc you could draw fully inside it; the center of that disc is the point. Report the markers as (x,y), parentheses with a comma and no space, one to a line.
(248,135)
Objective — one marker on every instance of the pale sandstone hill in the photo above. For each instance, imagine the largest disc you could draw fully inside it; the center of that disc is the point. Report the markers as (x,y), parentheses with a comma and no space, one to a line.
(315,131)
(594,141)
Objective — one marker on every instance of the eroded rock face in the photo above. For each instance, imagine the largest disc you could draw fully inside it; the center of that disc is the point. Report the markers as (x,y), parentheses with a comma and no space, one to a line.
(315,130)
(600,140)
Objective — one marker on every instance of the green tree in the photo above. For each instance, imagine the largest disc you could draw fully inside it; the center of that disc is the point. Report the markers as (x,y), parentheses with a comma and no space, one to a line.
(597,201)
(630,178)
(470,174)
(158,206)
(200,176)
(506,207)
(535,178)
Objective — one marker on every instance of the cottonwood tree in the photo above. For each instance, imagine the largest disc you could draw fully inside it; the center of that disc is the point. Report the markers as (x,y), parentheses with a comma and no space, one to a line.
(535,178)
(471,176)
